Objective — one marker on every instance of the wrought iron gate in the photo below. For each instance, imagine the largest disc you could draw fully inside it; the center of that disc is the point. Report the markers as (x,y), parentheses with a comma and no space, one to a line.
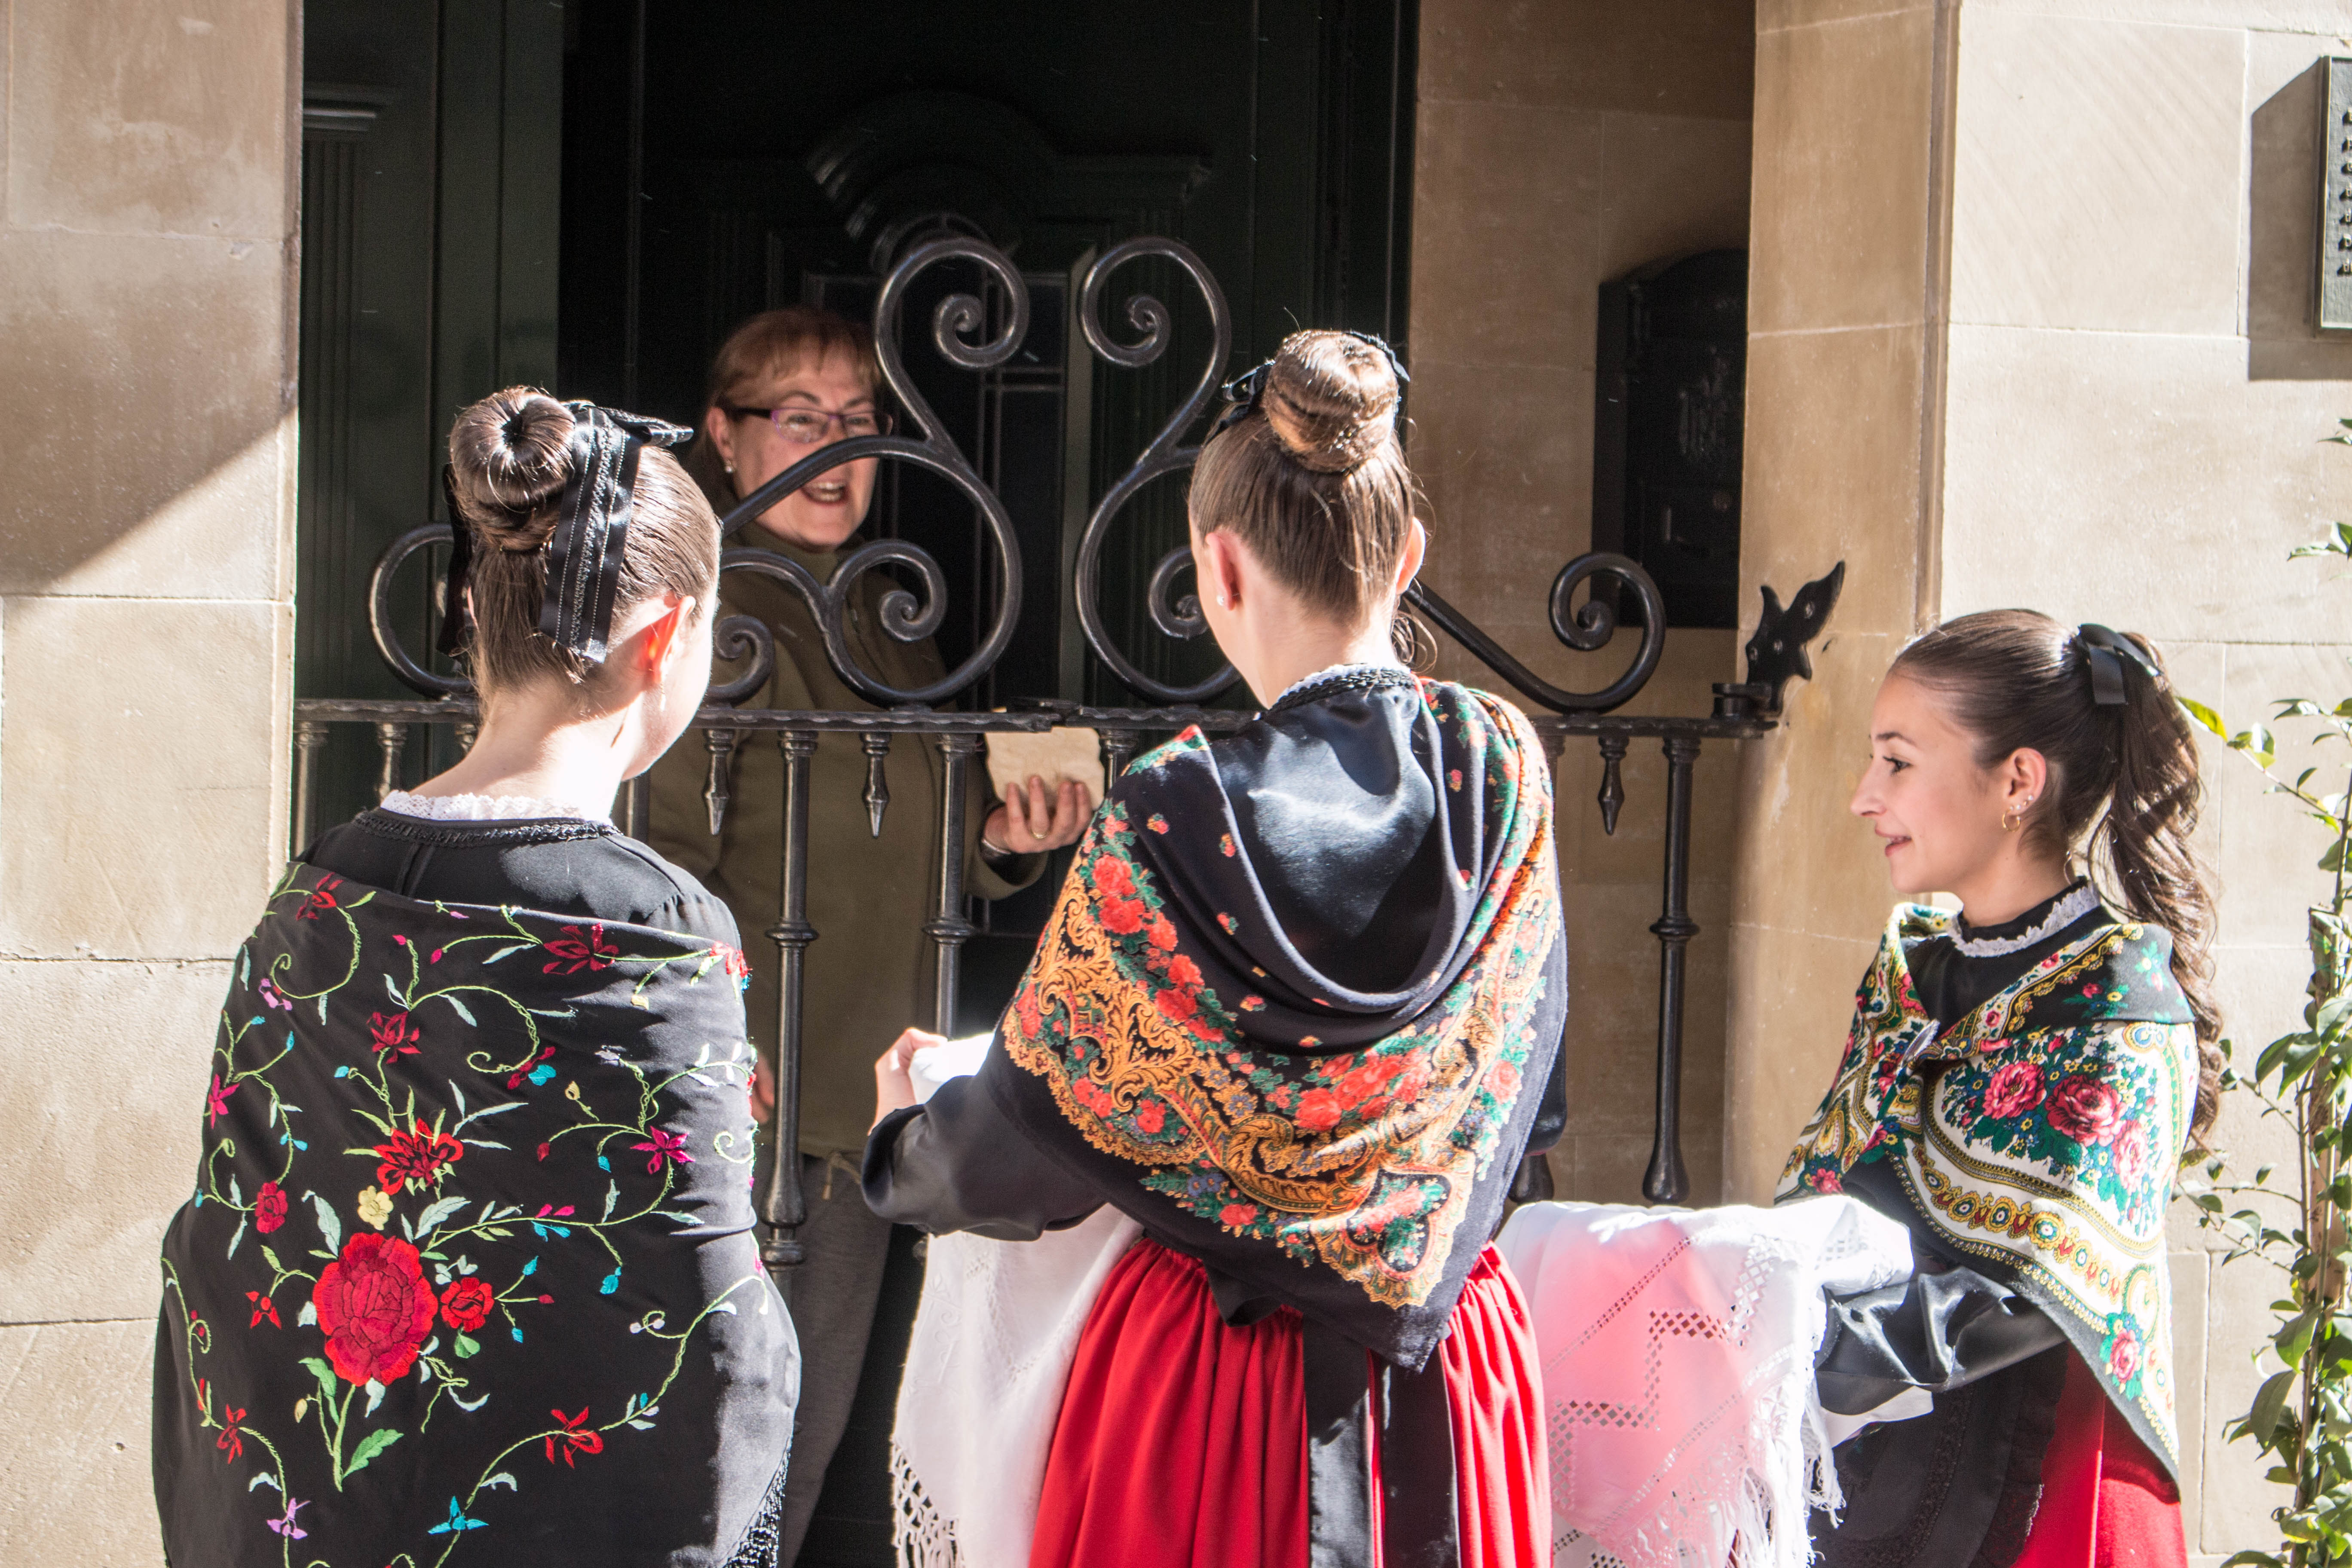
(918,715)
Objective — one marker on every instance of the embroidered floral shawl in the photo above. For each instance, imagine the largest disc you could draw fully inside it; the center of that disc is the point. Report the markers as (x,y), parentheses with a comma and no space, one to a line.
(469,1274)
(2047,1144)
(1300,996)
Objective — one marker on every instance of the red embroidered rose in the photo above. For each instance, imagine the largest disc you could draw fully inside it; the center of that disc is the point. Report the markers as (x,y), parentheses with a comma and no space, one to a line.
(466,1305)
(323,897)
(2015,1089)
(1163,934)
(1122,917)
(1183,971)
(736,963)
(415,1157)
(1237,1216)
(1025,1007)
(391,1034)
(2132,1151)
(268,1207)
(2084,1109)
(1828,1182)
(1176,1005)
(1505,1079)
(2123,1356)
(575,951)
(1151,1116)
(1318,1110)
(1112,879)
(374,1307)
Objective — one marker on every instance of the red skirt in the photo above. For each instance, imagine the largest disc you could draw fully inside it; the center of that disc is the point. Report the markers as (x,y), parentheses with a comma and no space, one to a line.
(2106,1500)
(1182,1441)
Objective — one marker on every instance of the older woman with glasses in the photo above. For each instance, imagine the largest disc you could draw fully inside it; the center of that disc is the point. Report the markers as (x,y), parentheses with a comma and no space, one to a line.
(784,383)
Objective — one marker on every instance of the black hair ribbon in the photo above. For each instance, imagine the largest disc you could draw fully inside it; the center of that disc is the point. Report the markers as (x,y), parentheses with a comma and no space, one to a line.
(1241,392)
(2105,651)
(591,529)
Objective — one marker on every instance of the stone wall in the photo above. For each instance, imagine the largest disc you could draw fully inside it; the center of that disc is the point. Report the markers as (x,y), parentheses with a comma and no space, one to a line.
(1559,147)
(2032,287)
(147,278)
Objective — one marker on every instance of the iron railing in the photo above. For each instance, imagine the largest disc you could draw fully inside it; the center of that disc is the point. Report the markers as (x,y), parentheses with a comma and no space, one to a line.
(913,715)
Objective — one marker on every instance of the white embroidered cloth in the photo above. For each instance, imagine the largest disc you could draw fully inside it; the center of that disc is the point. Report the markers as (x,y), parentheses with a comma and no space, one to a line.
(1677,1351)
(994,1337)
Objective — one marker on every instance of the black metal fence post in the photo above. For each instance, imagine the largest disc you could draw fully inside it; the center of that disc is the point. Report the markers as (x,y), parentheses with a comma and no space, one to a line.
(786,1207)
(950,927)
(1667,1181)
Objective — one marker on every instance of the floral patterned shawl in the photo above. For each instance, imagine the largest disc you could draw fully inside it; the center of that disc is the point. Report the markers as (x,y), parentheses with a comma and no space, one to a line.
(2037,1137)
(1300,996)
(467,1275)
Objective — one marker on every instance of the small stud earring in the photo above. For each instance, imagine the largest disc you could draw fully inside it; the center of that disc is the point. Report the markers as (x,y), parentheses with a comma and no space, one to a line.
(730,467)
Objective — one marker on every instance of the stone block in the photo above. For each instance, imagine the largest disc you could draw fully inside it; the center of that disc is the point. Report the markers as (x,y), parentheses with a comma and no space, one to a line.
(2191,1327)
(186,342)
(2098,175)
(1775,15)
(93,1183)
(1677,57)
(1670,186)
(2269,848)
(2235,1500)
(1832,473)
(2153,444)
(127,116)
(1791,1002)
(2324,17)
(77,1484)
(144,772)
(1506,216)
(1842,192)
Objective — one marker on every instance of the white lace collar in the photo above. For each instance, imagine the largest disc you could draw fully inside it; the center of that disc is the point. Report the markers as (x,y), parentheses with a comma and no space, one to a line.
(484,807)
(2069,907)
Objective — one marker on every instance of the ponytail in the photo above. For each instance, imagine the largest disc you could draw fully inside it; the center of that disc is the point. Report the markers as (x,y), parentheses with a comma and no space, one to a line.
(2099,708)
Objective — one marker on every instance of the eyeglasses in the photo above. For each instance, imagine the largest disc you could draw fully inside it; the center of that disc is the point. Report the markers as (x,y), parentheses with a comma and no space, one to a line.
(804,426)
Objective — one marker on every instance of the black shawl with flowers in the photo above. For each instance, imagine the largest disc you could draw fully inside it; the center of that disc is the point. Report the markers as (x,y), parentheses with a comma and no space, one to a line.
(468,1273)
(2035,1136)
(1302,990)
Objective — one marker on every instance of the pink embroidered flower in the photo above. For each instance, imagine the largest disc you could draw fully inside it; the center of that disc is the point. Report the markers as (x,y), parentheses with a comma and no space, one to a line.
(271,998)
(1828,1182)
(2014,1089)
(575,951)
(374,1307)
(668,1147)
(216,1100)
(1158,823)
(1505,1079)
(268,1207)
(2084,1109)
(1225,846)
(1233,927)
(1253,1004)
(2123,1355)
(2132,1151)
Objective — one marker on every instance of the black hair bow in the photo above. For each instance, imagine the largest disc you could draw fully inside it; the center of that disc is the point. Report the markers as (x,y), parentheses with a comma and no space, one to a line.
(2105,651)
(591,528)
(1241,392)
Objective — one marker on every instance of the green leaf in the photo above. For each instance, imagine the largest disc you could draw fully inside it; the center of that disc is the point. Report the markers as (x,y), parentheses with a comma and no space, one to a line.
(2263,1558)
(330,1226)
(435,1212)
(465,1345)
(2205,716)
(2256,742)
(460,1009)
(374,1443)
(2262,1420)
(325,1374)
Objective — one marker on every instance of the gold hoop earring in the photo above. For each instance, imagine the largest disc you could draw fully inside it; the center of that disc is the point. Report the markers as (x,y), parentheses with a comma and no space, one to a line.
(2011,822)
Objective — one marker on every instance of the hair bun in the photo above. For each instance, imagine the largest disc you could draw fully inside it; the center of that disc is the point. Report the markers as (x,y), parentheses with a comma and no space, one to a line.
(1332,399)
(510,457)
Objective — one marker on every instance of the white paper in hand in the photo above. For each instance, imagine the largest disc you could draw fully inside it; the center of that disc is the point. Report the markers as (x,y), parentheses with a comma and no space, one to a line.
(934,1065)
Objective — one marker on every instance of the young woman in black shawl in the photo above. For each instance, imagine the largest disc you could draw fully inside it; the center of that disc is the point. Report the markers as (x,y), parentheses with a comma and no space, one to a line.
(1294,1015)
(469,1274)
(2019,1081)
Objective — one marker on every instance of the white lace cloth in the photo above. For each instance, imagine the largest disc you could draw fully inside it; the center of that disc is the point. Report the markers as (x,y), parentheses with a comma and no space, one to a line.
(994,1337)
(1677,1350)
(484,807)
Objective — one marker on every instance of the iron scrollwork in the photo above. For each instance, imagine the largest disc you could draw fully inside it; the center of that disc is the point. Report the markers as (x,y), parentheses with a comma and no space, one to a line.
(906,616)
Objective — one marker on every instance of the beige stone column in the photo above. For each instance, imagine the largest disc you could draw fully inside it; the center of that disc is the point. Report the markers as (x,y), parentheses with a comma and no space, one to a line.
(1844,364)
(147,288)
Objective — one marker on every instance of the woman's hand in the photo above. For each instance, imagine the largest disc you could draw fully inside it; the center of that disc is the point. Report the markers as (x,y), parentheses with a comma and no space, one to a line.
(763,1092)
(894,1081)
(1034,821)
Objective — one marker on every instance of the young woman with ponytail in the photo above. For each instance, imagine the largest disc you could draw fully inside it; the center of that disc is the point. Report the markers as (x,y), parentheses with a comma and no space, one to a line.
(2020,1082)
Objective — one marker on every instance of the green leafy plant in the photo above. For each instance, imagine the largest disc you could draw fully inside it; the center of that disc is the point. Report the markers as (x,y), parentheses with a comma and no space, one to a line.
(2301,1417)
